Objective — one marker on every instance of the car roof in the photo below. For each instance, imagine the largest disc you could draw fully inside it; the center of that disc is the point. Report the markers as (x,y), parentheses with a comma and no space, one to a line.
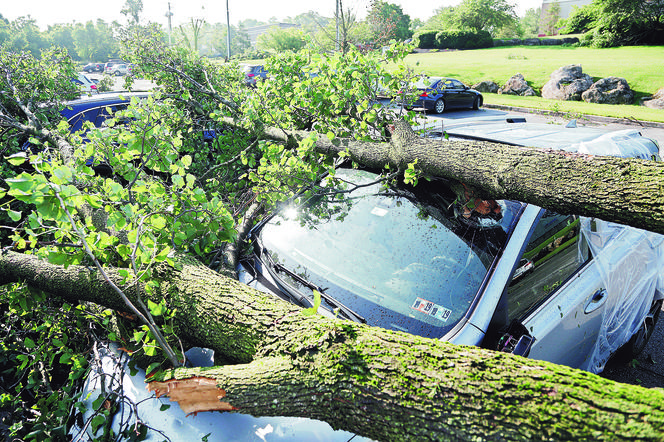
(627,143)
(88,102)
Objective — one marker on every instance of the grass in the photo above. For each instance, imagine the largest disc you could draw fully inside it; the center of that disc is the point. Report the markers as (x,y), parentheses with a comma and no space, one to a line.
(577,108)
(641,66)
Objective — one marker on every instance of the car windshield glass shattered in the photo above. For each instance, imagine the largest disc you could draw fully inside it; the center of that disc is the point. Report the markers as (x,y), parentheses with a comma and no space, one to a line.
(409,258)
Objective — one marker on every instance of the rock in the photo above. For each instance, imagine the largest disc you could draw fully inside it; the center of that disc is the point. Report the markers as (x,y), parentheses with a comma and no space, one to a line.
(517,86)
(567,83)
(656,101)
(532,42)
(570,40)
(486,86)
(610,90)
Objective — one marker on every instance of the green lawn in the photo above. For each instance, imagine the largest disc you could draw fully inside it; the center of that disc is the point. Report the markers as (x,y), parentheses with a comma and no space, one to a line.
(641,66)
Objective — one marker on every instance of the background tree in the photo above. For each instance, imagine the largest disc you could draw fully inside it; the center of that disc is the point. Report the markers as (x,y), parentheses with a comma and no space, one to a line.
(388,22)
(581,19)
(627,22)
(192,33)
(550,19)
(218,42)
(488,15)
(281,40)
(132,9)
(351,31)
(310,22)
(443,18)
(96,41)
(63,36)
(26,36)
(530,22)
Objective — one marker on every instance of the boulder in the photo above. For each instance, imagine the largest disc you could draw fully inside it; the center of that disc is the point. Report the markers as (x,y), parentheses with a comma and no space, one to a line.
(610,90)
(567,83)
(656,101)
(531,42)
(517,86)
(486,86)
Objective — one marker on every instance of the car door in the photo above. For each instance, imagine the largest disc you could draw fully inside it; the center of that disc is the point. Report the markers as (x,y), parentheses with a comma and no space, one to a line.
(556,296)
(464,97)
(451,92)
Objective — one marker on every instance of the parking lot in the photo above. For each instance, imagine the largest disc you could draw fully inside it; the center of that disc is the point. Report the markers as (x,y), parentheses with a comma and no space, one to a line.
(140,84)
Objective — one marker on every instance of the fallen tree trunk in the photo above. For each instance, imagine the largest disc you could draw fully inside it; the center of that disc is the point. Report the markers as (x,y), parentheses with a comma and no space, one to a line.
(622,190)
(381,384)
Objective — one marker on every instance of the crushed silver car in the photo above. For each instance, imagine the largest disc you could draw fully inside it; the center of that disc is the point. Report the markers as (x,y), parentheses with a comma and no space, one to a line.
(506,275)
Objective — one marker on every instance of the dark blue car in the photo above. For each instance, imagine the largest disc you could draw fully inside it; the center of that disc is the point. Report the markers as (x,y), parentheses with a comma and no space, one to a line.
(96,109)
(439,94)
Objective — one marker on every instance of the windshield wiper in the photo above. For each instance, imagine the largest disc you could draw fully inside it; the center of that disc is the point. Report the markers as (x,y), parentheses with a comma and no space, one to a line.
(347,312)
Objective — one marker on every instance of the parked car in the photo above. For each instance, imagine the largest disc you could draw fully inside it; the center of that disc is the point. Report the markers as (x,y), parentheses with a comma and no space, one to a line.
(97,109)
(388,257)
(86,85)
(253,74)
(93,67)
(506,275)
(119,69)
(108,66)
(439,94)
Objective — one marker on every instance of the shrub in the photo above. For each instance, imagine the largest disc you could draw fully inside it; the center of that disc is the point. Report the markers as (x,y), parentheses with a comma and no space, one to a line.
(456,39)
(426,39)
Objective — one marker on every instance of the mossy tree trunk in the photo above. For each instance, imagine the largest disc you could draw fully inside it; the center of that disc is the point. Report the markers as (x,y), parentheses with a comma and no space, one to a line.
(623,190)
(381,384)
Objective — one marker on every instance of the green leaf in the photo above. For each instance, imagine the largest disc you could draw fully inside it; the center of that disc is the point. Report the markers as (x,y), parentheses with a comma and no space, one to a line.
(313,310)
(29,343)
(157,309)
(15,216)
(150,350)
(17,159)
(152,367)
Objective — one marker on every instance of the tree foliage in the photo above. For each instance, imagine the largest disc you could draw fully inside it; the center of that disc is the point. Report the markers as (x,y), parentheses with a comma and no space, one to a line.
(550,19)
(132,9)
(282,40)
(150,195)
(625,22)
(487,15)
(388,22)
(581,19)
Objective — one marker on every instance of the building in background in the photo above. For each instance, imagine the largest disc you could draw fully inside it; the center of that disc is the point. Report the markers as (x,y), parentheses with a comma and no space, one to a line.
(565,6)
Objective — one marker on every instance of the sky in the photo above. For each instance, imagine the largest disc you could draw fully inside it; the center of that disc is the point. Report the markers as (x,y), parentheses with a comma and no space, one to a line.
(49,12)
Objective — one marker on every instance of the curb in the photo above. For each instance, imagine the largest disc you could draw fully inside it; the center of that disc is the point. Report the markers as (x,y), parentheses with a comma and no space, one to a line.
(594,118)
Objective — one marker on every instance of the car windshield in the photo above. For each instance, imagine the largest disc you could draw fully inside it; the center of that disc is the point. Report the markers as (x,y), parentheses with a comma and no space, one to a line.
(403,258)
(427,82)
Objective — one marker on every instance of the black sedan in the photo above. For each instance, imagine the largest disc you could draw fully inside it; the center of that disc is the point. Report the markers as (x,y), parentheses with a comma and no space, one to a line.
(439,94)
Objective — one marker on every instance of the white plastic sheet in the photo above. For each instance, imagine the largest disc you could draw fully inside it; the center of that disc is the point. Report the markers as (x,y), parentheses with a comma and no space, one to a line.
(633,282)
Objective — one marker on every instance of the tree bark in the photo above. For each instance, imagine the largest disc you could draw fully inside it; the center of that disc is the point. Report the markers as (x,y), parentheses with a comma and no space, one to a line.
(622,190)
(377,383)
